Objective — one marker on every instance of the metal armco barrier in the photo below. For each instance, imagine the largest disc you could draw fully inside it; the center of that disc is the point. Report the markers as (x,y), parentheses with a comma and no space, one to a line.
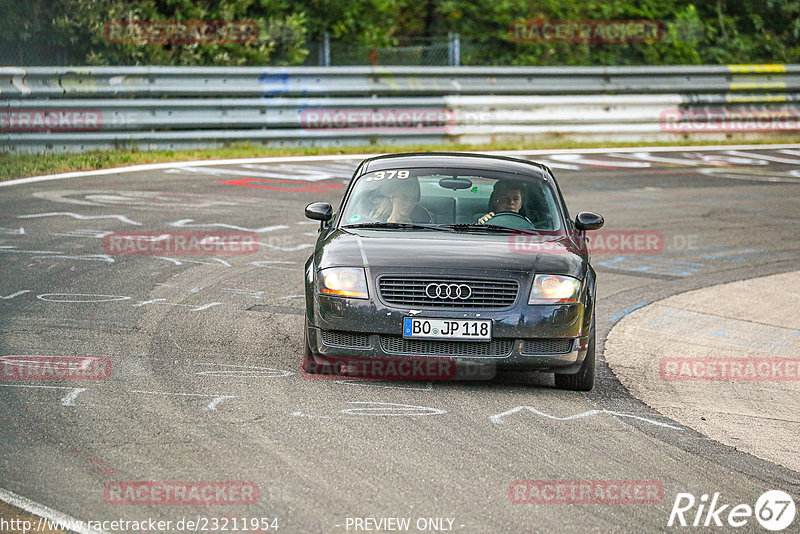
(47,109)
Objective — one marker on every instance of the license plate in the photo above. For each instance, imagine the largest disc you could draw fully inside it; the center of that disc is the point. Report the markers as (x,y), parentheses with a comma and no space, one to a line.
(463,329)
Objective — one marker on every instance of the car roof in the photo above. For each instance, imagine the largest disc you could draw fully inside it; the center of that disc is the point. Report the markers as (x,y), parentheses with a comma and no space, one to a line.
(463,160)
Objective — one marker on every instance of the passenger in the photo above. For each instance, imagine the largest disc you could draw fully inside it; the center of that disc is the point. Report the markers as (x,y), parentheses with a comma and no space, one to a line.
(401,203)
(506,196)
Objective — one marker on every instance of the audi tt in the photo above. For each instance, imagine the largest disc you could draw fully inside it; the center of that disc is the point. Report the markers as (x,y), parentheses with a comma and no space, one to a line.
(465,257)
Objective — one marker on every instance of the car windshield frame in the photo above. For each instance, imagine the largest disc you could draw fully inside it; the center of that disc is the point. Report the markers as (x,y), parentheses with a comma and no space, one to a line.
(544,179)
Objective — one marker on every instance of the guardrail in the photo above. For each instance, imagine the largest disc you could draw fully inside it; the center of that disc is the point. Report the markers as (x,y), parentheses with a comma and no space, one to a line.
(72,109)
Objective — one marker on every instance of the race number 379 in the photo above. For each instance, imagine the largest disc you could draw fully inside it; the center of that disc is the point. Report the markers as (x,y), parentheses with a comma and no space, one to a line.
(386,175)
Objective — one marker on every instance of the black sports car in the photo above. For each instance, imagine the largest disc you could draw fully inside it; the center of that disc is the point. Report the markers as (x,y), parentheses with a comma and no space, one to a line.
(467,258)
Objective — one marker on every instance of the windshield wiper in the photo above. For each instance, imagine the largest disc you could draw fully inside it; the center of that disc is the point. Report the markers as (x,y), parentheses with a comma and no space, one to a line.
(489,228)
(402,226)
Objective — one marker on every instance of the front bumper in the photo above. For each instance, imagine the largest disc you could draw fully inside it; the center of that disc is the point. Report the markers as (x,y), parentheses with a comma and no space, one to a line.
(550,338)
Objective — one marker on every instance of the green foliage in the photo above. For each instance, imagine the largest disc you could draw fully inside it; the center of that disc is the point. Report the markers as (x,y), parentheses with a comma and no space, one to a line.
(709,32)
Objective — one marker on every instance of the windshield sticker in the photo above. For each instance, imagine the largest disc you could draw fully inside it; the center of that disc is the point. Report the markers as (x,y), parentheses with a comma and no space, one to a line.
(388,175)
(354,218)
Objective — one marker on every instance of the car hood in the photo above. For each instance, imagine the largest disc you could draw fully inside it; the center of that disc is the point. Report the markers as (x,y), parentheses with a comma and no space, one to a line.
(424,250)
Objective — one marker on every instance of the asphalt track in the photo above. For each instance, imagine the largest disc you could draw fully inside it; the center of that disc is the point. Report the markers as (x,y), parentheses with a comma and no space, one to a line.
(206,350)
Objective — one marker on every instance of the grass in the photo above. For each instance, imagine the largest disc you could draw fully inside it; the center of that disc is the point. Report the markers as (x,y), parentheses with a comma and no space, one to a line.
(22,165)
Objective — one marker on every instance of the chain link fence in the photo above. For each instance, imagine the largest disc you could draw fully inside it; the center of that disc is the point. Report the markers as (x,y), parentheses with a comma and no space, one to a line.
(412,53)
(324,52)
(17,53)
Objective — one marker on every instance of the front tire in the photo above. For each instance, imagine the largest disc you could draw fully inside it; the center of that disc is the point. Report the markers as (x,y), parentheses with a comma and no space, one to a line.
(583,380)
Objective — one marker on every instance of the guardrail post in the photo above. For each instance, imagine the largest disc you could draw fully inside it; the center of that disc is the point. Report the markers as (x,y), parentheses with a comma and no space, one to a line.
(453,50)
(325,50)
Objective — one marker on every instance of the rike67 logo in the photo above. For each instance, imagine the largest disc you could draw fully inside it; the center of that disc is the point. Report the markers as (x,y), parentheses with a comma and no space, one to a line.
(774,510)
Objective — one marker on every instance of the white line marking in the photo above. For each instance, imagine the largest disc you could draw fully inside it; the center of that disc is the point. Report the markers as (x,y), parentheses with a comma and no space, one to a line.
(243,371)
(577,158)
(195,307)
(498,419)
(69,398)
(286,249)
(46,512)
(99,234)
(357,157)
(121,218)
(746,175)
(385,409)
(176,261)
(645,156)
(793,161)
(428,387)
(301,414)
(11,249)
(556,165)
(216,399)
(103,298)
(87,257)
(146,302)
(269,265)
(248,292)
(184,223)
(275,172)
(645,419)
(66,400)
(18,293)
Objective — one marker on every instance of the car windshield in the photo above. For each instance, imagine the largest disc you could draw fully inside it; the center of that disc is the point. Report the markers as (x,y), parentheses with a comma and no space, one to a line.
(465,200)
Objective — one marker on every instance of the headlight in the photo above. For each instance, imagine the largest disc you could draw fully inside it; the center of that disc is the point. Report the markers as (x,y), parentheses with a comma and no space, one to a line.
(554,289)
(343,282)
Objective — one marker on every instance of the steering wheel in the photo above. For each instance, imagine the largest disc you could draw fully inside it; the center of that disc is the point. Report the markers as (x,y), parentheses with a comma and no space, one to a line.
(510,219)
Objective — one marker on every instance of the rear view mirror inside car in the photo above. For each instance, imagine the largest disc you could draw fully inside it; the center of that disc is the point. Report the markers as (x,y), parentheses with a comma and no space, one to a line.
(455,183)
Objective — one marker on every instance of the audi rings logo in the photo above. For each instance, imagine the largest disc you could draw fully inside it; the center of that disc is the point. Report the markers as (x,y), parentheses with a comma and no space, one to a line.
(448,291)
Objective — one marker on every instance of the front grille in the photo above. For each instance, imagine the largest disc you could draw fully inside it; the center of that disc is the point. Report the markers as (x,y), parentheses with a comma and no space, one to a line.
(400,345)
(411,291)
(345,340)
(547,346)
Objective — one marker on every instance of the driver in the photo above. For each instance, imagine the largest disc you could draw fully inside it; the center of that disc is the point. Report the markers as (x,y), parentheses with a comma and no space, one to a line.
(506,196)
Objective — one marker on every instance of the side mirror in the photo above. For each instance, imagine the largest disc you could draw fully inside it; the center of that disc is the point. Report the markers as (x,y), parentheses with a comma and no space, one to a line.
(586,220)
(319,211)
